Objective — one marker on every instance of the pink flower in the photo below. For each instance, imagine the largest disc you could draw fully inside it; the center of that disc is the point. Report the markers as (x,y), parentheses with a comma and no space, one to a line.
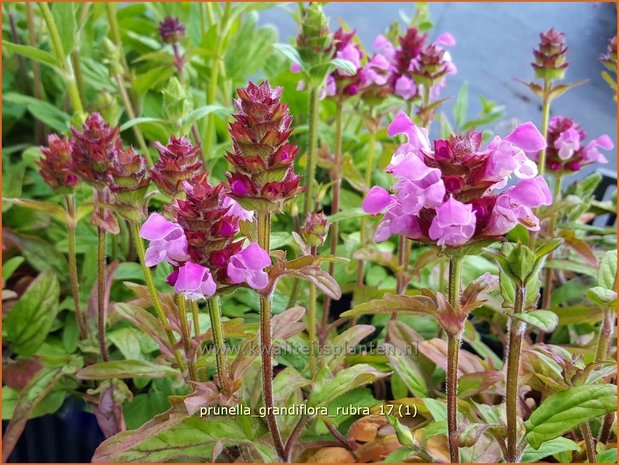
(591,153)
(405,87)
(514,206)
(376,200)
(167,241)
(567,143)
(248,266)
(376,71)
(527,137)
(350,53)
(195,282)
(417,136)
(454,223)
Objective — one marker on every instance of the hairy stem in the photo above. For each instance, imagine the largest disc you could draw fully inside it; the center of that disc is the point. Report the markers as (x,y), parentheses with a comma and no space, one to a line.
(65,64)
(195,312)
(589,442)
(516,333)
(264,240)
(101,293)
(313,339)
(80,318)
(294,436)
(154,295)
(606,332)
(131,113)
(453,354)
(115,33)
(312,150)
(186,336)
(220,344)
(335,207)
(541,162)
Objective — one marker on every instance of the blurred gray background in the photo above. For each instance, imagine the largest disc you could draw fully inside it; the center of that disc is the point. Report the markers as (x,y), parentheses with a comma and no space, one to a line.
(494,42)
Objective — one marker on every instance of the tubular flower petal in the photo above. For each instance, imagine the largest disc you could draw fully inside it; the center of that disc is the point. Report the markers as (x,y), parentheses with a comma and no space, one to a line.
(194,282)
(167,241)
(248,266)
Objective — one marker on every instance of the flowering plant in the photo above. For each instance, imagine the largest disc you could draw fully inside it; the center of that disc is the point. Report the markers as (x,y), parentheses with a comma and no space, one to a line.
(229,249)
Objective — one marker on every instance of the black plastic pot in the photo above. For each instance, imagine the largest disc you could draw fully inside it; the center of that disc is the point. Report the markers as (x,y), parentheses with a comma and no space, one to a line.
(70,435)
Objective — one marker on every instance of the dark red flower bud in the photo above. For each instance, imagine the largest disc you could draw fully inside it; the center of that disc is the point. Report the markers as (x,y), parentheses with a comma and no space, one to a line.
(56,164)
(93,149)
(551,55)
(178,162)
(171,30)
(263,176)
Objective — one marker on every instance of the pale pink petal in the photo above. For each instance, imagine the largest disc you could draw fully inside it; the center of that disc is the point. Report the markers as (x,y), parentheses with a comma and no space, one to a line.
(527,137)
(157,227)
(376,200)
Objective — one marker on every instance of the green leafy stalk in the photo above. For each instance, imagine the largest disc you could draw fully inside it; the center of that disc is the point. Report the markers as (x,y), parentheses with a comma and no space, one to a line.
(312,150)
(195,312)
(266,343)
(313,338)
(115,33)
(516,332)
(186,337)
(154,295)
(335,207)
(453,354)
(75,287)
(368,180)
(66,66)
(101,236)
(37,83)
(220,344)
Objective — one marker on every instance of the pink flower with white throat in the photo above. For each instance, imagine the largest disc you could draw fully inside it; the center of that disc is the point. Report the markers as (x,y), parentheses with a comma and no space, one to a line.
(167,241)
(195,282)
(454,223)
(248,266)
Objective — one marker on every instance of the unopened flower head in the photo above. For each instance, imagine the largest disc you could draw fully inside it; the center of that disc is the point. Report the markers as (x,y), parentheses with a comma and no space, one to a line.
(550,56)
(55,165)
(262,157)
(178,162)
(171,30)
(610,58)
(93,149)
(129,181)
(315,229)
(314,41)
(446,192)
(567,150)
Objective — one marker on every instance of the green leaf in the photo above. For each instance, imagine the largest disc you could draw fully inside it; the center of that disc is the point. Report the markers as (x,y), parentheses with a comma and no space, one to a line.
(291,53)
(608,456)
(9,267)
(194,439)
(37,251)
(408,371)
(199,113)
(327,387)
(601,296)
(30,320)
(548,448)
(607,274)
(565,410)
(32,53)
(126,369)
(344,65)
(404,435)
(544,320)
(347,214)
(55,118)
(64,16)
(461,104)
(140,120)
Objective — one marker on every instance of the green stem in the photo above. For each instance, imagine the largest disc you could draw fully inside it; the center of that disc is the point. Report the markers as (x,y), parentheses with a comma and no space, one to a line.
(453,355)
(264,240)
(101,293)
(120,81)
(195,312)
(313,339)
(606,332)
(75,287)
(154,295)
(312,147)
(62,58)
(220,345)
(335,207)
(37,83)
(516,333)
(369,167)
(115,32)
(546,99)
(186,337)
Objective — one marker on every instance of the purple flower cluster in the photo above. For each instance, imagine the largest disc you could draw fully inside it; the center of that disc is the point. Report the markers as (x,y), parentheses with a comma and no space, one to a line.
(446,193)
(567,150)
(406,69)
